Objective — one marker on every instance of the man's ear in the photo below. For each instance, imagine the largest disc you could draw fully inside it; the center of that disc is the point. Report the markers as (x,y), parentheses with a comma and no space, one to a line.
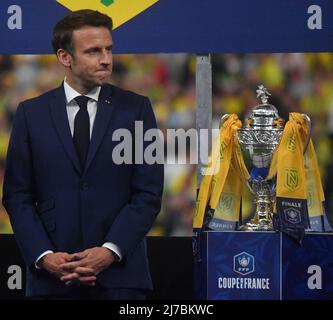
(64,58)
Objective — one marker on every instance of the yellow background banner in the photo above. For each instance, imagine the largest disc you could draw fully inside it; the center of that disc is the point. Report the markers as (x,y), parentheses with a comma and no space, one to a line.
(121,11)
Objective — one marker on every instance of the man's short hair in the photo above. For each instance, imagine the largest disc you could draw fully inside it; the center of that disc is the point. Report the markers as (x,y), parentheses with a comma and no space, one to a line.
(63,31)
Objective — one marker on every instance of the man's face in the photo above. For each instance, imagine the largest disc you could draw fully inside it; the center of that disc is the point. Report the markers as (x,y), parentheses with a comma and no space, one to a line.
(91,62)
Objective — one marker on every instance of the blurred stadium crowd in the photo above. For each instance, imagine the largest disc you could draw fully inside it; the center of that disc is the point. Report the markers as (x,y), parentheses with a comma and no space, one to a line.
(298,82)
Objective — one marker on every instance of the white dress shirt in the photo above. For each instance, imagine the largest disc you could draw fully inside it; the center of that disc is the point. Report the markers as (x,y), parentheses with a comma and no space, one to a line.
(72,108)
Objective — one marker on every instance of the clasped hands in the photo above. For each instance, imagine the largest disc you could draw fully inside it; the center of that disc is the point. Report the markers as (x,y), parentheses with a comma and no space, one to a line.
(78,268)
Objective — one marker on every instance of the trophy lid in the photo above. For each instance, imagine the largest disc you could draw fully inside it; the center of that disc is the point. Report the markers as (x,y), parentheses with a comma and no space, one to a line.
(264,114)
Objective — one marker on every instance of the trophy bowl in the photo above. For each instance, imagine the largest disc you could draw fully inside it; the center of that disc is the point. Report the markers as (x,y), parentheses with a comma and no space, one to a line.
(258,140)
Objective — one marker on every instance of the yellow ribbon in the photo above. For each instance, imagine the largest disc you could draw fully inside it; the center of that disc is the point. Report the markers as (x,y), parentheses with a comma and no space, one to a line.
(297,173)
(221,186)
(288,160)
(228,207)
(315,193)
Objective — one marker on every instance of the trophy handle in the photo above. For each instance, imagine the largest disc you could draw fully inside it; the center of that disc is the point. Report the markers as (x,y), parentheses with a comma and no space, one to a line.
(224,118)
(308,122)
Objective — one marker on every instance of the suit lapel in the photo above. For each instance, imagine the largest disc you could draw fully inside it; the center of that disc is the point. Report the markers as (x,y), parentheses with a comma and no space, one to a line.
(105,107)
(60,118)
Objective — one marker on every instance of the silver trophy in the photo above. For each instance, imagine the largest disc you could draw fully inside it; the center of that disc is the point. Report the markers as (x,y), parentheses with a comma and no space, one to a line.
(258,139)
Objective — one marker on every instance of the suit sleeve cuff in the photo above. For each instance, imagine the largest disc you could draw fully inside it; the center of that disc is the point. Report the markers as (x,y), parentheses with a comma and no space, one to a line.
(41,256)
(114,248)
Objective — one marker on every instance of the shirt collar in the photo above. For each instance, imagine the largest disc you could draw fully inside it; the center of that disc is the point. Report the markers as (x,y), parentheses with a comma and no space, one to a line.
(71,93)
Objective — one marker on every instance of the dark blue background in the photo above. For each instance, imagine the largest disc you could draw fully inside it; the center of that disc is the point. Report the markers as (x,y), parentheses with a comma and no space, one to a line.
(193,26)
(292,263)
(316,249)
(263,246)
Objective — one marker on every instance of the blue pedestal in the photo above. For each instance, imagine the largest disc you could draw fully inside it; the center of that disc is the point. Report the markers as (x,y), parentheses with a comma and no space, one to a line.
(262,266)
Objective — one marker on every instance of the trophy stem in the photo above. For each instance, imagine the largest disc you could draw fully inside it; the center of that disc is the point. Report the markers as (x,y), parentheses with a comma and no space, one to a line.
(264,212)
(262,220)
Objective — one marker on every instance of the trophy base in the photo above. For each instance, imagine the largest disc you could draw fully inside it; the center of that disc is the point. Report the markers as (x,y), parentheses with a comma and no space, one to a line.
(257,225)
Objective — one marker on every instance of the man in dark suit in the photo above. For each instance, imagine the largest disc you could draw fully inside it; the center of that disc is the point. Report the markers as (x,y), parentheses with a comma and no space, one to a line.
(79,218)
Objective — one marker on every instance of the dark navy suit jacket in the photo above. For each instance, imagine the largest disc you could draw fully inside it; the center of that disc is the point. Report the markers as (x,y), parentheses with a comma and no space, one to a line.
(53,204)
